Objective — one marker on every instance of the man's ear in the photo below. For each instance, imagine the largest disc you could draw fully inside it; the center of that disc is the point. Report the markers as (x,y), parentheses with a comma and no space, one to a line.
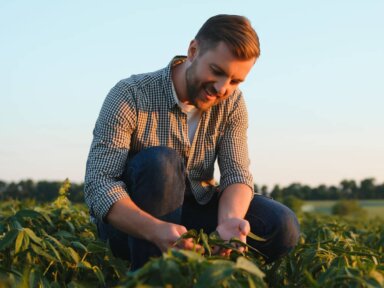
(192,50)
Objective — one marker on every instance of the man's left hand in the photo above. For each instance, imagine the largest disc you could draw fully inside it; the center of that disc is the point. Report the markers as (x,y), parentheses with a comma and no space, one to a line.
(233,228)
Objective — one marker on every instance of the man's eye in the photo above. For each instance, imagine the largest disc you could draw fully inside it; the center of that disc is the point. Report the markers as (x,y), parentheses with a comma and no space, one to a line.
(217,72)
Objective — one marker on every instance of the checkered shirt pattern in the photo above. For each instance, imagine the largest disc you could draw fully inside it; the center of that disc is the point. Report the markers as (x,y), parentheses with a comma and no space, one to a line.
(141,112)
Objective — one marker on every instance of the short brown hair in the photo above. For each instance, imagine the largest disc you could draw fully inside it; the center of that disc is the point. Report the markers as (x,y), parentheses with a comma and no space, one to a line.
(234,30)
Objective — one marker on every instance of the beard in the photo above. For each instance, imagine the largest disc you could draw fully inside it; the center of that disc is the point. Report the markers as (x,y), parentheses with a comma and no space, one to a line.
(196,90)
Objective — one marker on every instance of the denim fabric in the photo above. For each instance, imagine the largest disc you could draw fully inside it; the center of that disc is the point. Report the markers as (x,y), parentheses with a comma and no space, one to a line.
(268,219)
(155,179)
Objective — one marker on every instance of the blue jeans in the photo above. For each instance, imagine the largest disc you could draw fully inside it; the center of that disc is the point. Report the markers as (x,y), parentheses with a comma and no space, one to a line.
(155,179)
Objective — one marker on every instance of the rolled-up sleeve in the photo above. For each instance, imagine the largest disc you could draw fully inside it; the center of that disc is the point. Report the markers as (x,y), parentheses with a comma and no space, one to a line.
(233,158)
(109,151)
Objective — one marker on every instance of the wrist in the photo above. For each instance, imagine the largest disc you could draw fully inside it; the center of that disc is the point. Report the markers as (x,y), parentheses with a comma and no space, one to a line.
(152,230)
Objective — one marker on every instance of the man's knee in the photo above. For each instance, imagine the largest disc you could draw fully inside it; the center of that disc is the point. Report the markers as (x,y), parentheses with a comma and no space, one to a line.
(277,224)
(289,230)
(159,159)
(155,180)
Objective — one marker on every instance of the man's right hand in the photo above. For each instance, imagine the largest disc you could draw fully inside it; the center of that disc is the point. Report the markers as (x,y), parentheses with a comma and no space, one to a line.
(127,217)
(166,234)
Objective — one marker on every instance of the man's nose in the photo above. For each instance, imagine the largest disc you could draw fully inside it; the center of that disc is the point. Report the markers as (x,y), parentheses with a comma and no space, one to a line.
(221,87)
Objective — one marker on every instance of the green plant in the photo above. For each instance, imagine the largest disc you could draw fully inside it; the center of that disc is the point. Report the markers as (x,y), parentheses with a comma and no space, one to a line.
(347,207)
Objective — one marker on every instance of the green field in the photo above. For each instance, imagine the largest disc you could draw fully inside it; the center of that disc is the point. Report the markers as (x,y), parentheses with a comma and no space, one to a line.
(374,208)
(55,245)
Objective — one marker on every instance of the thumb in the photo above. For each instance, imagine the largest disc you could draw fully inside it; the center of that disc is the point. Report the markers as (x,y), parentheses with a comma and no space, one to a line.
(244,227)
(181,229)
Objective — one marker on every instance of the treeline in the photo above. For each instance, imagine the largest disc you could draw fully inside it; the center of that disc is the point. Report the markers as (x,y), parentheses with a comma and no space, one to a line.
(44,191)
(41,191)
(347,189)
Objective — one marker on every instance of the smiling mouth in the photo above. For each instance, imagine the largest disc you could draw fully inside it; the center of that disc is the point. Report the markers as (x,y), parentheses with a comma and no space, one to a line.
(208,95)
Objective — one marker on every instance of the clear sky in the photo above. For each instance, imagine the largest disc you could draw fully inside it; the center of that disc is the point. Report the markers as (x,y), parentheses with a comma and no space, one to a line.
(315,97)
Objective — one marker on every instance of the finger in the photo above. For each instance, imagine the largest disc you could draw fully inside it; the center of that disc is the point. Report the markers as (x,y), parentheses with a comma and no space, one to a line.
(241,249)
(181,230)
(225,252)
(215,250)
(189,244)
(244,227)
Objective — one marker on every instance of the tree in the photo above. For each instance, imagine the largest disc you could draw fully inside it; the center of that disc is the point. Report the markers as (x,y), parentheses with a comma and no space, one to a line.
(277,193)
(347,207)
(264,190)
(349,189)
(47,190)
(294,203)
(367,188)
(3,185)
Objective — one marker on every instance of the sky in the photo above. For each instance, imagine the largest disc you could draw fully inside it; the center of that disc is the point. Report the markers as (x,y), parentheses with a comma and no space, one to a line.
(315,97)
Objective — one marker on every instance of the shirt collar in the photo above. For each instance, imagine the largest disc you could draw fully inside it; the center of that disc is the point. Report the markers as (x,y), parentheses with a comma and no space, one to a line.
(171,102)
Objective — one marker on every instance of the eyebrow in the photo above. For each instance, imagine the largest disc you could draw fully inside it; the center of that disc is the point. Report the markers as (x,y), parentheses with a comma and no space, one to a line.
(216,67)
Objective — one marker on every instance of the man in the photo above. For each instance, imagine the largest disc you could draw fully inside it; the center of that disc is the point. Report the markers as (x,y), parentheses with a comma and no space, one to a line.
(149,174)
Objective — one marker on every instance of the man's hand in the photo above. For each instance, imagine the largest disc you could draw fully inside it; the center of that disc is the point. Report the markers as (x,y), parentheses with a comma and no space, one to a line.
(167,234)
(233,205)
(233,228)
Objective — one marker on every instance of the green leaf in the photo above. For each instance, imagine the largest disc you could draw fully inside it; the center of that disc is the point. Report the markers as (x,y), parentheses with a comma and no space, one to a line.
(251,283)
(33,236)
(214,236)
(49,220)
(62,234)
(79,246)
(215,274)
(75,256)
(41,252)
(24,213)
(53,249)
(189,234)
(235,240)
(204,240)
(19,241)
(255,237)
(245,264)
(15,223)
(191,255)
(71,226)
(8,239)
(26,241)
(57,242)
(33,278)
(98,274)
(10,271)
(84,264)
(96,248)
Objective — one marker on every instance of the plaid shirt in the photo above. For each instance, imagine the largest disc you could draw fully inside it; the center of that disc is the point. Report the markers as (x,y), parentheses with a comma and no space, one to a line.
(141,112)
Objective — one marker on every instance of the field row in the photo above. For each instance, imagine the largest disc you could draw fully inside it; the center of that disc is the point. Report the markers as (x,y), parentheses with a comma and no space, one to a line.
(54,245)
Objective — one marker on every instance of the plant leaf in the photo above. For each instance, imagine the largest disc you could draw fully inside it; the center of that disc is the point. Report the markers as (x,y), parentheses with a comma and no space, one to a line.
(32,236)
(41,252)
(98,274)
(245,264)
(24,213)
(19,241)
(8,239)
(74,255)
(255,237)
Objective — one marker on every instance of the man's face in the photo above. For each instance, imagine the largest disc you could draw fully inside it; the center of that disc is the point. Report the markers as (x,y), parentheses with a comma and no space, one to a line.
(214,75)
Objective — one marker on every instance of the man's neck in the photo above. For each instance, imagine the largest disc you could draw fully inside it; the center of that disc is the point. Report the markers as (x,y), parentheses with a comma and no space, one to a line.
(179,81)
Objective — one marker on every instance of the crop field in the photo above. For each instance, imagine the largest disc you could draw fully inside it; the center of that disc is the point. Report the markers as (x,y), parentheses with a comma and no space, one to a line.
(54,245)
(374,208)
